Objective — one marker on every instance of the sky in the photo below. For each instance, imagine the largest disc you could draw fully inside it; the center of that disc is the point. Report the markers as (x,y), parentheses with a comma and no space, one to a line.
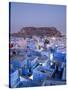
(37,15)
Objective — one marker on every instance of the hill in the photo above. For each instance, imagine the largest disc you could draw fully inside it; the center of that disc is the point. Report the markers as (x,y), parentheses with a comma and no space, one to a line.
(39,31)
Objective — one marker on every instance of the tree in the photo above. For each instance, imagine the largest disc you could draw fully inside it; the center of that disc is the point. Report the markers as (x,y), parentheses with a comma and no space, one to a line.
(46,41)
